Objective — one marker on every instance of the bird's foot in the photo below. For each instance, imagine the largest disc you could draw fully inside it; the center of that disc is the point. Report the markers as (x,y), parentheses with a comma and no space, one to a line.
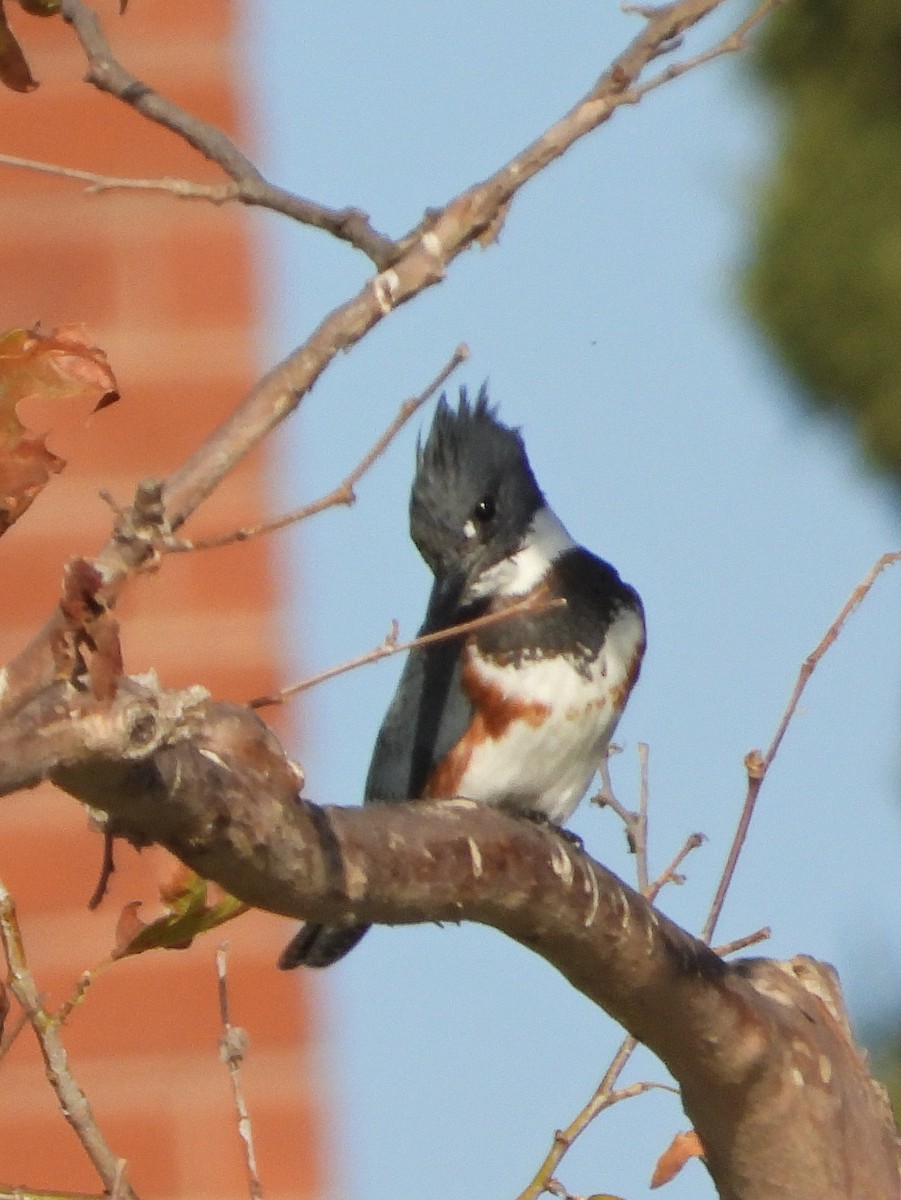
(539,818)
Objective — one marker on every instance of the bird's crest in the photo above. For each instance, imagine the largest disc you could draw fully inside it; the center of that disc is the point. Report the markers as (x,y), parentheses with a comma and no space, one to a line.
(469,459)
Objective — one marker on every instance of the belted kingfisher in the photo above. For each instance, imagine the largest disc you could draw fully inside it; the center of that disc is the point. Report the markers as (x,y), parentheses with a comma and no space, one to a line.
(518,713)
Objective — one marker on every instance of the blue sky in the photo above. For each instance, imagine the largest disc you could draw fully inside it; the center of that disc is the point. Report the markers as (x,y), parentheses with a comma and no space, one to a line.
(667,439)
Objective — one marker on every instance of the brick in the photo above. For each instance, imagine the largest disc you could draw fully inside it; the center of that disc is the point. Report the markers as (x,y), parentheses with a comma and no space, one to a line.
(31,580)
(54,282)
(213,1163)
(150,431)
(198,581)
(223,652)
(208,276)
(121,142)
(189,273)
(69,520)
(165,1002)
(42,1153)
(162,1003)
(137,268)
(52,869)
(207,19)
(149,1142)
(204,22)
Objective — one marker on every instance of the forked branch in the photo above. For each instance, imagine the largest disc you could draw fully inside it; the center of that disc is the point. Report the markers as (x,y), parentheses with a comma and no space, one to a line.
(408,267)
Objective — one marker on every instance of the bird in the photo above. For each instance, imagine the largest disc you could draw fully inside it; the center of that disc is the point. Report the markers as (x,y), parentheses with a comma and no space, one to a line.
(517,713)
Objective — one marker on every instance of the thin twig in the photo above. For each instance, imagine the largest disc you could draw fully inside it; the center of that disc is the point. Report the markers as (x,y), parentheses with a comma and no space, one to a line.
(604,1097)
(671,874)
(732,43)
(641,857)
(216,193)
(742,943)
(531,604)
(72,1100)
(82,986)
(12,1192)
(606,797)
(107,870)
(636,823)
(757,765)
(232,1048)
(410,266)
(10,1035)
(107,74)
(606,1093)
(344,493)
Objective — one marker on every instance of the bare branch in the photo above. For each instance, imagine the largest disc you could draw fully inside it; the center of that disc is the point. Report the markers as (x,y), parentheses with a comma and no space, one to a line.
(742,943)
(732,43)
(107,74)
(232,1048)
(417,262)
(634,822)
(210,783)
(72,1100)
(13,1192)
(636,830)
(216,193)
(10,1036)
(671,874)
(636,825)
(605,1095)
(344,493)
(641,854)
(531,604)
(757,765)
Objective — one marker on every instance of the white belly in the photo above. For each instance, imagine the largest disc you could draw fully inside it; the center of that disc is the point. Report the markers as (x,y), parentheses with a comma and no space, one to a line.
(546,767)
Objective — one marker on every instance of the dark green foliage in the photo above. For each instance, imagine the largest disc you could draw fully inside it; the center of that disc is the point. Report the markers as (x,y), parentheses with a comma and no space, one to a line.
(887,1067)
(824,281)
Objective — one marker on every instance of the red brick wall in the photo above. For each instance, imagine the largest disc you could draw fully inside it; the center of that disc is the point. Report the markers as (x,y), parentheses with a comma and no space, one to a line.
(166,287)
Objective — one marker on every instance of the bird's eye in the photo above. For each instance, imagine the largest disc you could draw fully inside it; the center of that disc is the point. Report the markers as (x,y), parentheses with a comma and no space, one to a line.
(484,511)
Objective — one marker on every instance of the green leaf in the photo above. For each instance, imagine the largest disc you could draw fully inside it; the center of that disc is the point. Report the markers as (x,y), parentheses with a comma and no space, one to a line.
(190,914)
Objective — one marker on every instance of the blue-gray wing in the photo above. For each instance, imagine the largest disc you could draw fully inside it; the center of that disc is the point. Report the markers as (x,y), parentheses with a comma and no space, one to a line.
(428,715)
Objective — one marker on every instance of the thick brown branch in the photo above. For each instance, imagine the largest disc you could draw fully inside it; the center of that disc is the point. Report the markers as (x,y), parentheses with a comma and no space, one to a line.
(769,1075)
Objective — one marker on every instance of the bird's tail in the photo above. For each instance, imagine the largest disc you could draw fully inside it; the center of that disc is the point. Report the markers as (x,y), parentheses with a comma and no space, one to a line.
(320,945)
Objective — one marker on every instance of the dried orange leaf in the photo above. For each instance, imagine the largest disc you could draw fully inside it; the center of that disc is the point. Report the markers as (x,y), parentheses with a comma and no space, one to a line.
(128,927)
(25,468)
(106,666)
(61,365)
(683,1147)
(14,70)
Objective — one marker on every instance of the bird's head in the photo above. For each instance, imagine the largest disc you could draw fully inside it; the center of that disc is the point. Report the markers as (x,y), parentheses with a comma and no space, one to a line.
(474,496)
